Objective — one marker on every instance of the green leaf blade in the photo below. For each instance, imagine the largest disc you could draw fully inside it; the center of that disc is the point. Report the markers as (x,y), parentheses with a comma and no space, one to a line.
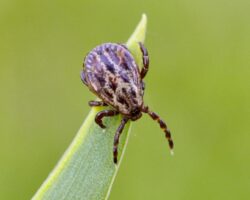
(86,170)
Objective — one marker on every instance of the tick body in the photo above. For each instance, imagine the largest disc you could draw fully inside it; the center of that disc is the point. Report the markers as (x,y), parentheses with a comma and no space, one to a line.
(111,72)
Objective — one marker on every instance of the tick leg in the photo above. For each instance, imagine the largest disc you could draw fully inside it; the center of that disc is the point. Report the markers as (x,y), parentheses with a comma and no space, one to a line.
(104,113)
(163,126)
(145,60)
(97,103)
(117,137)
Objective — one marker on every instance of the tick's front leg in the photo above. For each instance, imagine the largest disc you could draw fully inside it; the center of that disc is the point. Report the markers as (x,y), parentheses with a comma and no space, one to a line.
(117,137)
(104,113)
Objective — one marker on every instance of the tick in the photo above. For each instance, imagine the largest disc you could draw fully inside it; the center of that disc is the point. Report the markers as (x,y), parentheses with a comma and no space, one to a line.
(110,72)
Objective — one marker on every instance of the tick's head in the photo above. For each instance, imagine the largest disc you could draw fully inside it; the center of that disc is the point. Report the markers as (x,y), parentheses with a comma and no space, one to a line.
(135,114)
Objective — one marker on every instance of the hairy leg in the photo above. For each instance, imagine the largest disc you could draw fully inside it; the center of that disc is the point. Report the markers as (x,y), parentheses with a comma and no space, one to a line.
(145,60)
(162,124)
(117,137)
(104,113)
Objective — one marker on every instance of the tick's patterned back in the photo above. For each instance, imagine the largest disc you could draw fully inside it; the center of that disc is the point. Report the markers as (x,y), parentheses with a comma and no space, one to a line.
(111,73)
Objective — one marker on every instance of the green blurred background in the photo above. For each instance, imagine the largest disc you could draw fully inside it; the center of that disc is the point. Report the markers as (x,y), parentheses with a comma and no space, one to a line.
(198,82)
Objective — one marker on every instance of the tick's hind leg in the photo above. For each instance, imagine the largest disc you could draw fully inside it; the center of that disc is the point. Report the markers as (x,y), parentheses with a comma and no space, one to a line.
(145,60)
(97,103)
(117,137)
(163,126)
(104,113)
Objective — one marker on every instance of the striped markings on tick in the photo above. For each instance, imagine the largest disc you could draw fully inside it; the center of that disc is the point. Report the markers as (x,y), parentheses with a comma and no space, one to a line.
(110,72)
